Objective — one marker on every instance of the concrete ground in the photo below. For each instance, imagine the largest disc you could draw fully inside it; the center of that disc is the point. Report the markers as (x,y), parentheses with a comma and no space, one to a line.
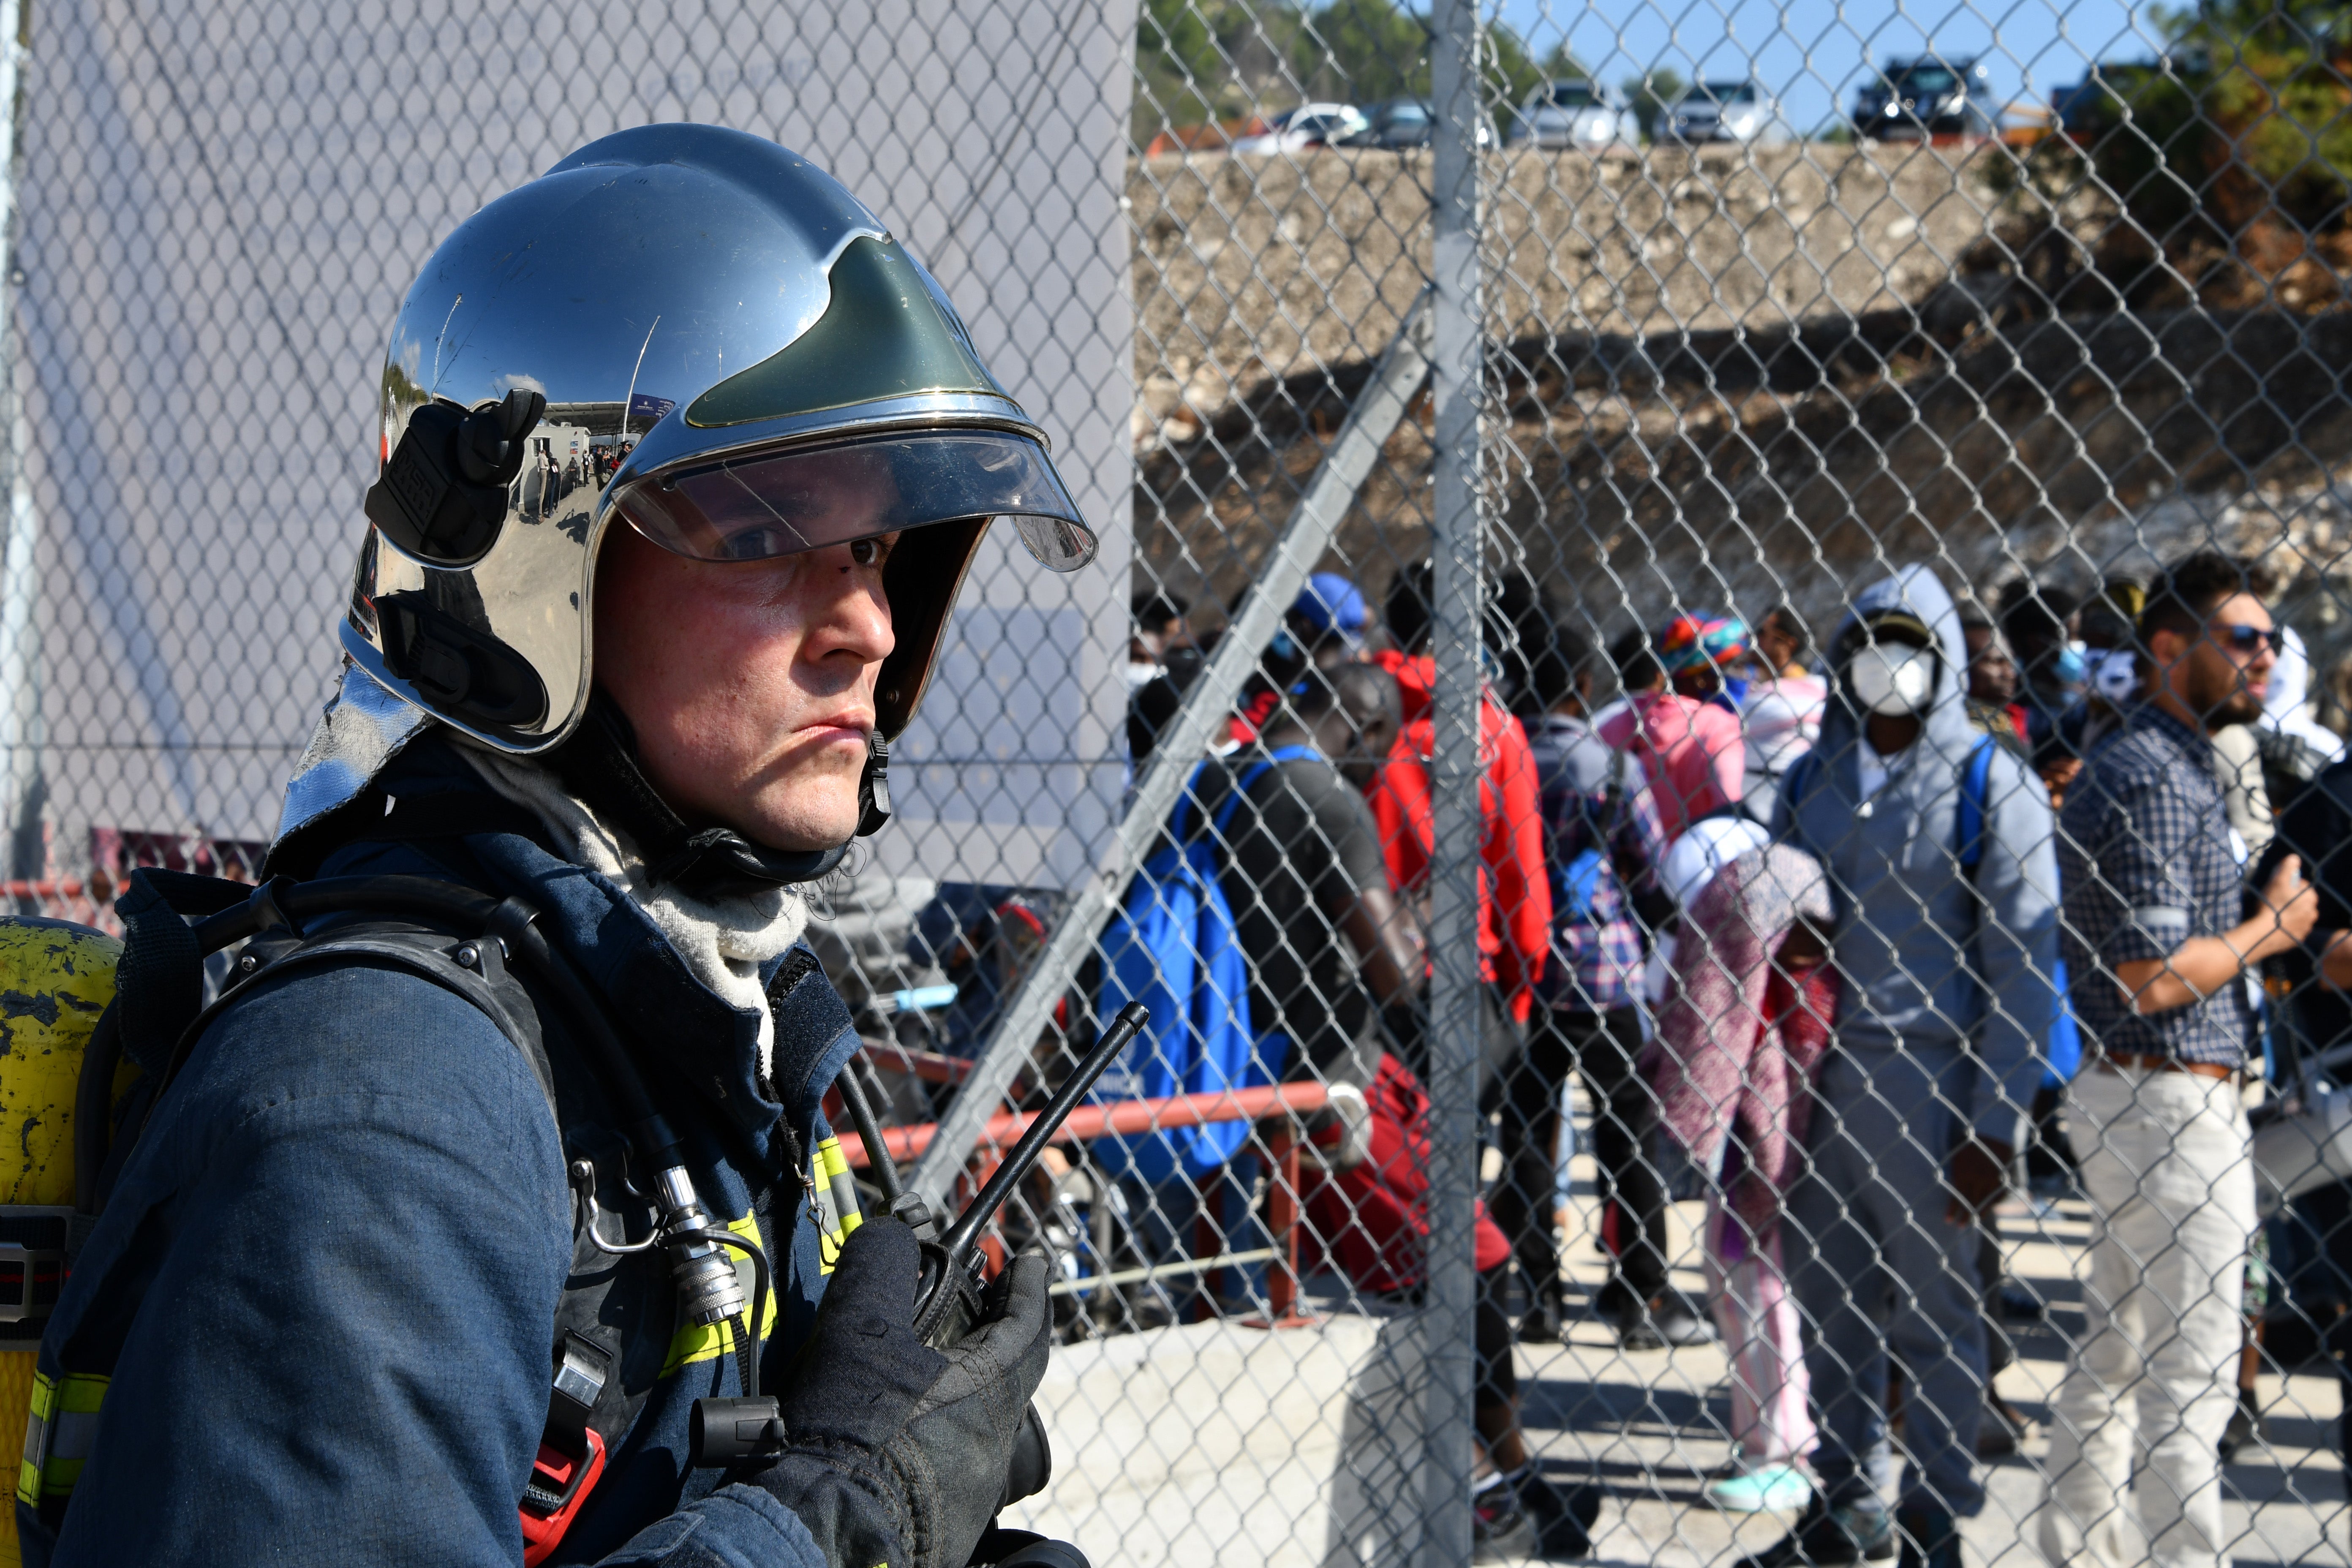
(1654,1423)
(1216,1442)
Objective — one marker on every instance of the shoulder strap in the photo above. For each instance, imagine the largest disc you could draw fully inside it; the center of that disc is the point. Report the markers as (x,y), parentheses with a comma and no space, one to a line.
(1177,829)
(1257,771)
(487,983)
(1976,782)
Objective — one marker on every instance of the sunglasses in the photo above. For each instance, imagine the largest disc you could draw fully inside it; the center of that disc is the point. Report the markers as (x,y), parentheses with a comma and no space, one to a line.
(2248,641)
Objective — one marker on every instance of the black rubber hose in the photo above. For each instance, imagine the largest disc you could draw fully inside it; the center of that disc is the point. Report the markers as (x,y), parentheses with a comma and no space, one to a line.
(746,1344)
(869,1130)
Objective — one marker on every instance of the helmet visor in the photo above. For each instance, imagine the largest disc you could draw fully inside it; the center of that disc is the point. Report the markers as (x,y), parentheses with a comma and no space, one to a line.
(781,503)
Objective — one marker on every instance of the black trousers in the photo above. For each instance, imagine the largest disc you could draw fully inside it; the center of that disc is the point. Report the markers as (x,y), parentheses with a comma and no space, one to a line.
(1599,1047)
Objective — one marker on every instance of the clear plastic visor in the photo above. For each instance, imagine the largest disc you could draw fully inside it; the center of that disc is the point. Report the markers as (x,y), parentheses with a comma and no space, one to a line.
(781,503)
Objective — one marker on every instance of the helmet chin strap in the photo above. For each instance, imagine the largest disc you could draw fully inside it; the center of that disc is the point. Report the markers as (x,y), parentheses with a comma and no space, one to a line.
(599,765)
(873,786)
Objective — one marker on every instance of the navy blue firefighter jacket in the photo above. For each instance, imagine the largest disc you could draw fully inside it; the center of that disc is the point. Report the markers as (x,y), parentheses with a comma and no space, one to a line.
(326,1278)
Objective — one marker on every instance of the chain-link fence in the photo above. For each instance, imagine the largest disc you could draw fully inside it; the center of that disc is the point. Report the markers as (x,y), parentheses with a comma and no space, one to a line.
(1711,899)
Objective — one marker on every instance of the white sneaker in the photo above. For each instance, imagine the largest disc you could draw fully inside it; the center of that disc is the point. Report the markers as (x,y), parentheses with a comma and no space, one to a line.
(1761,1489)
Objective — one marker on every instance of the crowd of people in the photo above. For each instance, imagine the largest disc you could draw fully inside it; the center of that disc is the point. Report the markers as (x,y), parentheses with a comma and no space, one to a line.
(1849,934)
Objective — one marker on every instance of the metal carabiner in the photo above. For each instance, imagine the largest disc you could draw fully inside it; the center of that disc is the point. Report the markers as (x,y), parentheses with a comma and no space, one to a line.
(581,1177)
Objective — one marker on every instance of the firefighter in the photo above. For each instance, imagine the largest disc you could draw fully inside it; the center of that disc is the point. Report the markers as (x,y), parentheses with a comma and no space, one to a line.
(373,1283)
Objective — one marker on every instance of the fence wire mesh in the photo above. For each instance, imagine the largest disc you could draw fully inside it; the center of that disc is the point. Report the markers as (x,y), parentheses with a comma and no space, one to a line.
(1651,690)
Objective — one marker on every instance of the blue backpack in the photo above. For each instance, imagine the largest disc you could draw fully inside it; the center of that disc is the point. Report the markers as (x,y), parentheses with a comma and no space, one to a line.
(1172,946)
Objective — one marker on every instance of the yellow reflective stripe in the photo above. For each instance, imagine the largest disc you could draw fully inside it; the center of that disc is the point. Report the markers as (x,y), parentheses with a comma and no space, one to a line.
(844,1187)
(43,1404)
(705,1341)
(837,1202)
(60,1430)
(824,1203)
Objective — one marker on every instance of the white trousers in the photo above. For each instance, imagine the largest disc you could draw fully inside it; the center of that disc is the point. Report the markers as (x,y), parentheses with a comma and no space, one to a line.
(2171,1184)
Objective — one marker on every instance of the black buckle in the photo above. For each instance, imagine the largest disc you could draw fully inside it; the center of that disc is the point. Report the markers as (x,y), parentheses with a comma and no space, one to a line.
(32,1260)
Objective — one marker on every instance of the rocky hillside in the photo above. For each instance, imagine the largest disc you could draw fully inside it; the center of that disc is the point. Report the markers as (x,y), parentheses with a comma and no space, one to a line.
(1739,381)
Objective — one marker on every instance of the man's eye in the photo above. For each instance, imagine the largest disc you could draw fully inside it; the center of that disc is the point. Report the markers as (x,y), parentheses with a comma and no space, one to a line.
(871,551)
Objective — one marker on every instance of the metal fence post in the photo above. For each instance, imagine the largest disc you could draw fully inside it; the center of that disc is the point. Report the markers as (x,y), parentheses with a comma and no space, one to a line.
(1454,932)
(20,714)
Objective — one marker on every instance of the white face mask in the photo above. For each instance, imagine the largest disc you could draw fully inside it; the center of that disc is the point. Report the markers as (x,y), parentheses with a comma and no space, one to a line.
(1893,680)
(1140,675)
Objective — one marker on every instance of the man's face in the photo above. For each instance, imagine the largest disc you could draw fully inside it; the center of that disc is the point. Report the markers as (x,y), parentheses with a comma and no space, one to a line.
(750,684)
(1992,677)
(1775,649)
(2223,674)
(1365,748)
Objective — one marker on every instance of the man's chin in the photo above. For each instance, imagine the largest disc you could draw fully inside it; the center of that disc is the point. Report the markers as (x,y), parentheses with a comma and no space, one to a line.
(801,836)
(2238,708)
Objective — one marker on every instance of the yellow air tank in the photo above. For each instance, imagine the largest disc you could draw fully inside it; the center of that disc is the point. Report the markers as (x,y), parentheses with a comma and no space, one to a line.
(55,978)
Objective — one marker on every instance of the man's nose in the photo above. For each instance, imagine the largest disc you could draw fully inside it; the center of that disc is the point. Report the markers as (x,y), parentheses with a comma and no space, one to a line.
(857,622)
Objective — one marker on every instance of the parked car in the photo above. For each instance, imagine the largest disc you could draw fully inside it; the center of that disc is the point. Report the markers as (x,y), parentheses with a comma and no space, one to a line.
(1925,97)
(1589,116)
(1308,125)
(1727,111)
(1397,123)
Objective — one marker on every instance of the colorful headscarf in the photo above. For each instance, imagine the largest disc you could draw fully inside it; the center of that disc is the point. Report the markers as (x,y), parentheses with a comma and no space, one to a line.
(1690,642)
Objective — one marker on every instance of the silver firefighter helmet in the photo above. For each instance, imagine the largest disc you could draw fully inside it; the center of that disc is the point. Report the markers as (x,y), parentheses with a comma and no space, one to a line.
(702,336)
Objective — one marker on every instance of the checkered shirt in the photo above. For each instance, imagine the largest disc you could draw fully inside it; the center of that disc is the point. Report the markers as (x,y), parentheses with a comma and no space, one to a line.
(1596,960)
(2145,863)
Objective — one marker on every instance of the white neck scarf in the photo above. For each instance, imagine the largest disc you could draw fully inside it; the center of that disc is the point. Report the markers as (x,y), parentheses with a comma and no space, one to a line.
(723,942)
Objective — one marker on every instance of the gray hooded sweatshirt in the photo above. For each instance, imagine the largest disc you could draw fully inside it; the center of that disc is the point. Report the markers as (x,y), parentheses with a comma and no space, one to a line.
(1928,963)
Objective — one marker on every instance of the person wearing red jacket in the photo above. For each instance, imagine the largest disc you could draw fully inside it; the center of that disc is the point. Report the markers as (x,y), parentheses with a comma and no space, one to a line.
(1514,890)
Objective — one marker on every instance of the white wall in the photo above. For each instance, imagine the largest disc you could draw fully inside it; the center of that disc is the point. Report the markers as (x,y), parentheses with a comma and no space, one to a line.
(224,204)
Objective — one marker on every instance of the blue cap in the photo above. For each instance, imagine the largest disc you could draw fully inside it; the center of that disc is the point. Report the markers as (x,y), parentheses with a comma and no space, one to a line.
(1329,603)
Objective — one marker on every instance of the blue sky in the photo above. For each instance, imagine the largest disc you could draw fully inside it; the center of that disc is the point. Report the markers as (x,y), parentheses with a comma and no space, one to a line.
(1811,53)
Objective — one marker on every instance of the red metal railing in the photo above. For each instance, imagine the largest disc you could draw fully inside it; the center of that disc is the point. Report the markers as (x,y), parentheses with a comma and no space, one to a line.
(1277,1150)
(929,1066)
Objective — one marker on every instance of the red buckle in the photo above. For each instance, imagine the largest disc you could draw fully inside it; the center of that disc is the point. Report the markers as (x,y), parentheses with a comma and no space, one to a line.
(569,1481)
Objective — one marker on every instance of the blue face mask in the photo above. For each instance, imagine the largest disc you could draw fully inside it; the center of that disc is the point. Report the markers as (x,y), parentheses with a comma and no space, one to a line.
(2070,667)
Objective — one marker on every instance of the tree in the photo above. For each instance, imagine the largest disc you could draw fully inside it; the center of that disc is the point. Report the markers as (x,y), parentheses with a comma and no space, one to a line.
(1652,96)
(1363,50)
(1512,72)
(2246,120)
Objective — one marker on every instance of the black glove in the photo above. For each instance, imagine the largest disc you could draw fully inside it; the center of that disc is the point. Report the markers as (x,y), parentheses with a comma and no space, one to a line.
(898,1453)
